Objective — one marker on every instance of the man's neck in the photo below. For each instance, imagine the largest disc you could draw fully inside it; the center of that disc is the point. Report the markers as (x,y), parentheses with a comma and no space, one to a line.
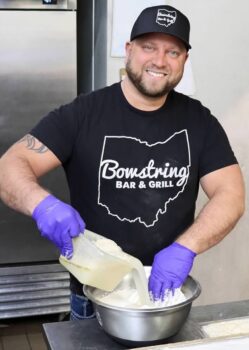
(138,100)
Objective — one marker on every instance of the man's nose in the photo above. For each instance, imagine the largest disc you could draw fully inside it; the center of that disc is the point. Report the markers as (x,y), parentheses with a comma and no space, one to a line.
(160,59)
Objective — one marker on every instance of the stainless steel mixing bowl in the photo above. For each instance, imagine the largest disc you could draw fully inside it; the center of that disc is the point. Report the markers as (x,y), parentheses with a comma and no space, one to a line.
(139,327)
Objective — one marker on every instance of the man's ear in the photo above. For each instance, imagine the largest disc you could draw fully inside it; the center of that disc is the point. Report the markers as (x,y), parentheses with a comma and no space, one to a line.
(128,45)
(187,56)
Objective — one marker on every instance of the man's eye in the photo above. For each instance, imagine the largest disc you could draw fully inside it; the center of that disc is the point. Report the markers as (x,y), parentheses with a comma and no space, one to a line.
(148,48)
(173,53)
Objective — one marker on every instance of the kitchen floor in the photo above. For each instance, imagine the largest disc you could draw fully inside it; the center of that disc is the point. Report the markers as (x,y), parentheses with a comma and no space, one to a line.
(25,333)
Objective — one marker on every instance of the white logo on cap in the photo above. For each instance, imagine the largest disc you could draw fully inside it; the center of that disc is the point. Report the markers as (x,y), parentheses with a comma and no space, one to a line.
(165,17)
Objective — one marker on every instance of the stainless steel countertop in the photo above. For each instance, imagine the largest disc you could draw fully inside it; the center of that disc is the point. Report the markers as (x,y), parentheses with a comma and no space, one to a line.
(88,335)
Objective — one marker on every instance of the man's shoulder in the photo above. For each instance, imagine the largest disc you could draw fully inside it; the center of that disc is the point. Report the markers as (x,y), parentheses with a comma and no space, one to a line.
(192,110)
(101,92)
(188,101)
(96,99)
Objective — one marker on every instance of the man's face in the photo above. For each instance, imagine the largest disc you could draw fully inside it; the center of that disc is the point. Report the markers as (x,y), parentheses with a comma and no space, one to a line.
(155,63)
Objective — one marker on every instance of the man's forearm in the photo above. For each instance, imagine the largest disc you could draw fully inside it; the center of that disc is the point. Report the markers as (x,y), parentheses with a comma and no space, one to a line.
(214,222)
(19,188)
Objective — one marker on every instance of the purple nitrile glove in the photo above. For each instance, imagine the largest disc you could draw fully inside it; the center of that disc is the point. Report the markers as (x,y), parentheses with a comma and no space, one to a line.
(58,222)
(170,269)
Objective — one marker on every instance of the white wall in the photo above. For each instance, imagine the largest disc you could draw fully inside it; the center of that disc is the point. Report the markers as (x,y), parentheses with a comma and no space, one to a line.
(220,62)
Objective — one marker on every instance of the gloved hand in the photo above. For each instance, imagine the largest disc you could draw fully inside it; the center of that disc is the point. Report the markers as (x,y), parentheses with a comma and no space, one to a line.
(170,269)
(58,222)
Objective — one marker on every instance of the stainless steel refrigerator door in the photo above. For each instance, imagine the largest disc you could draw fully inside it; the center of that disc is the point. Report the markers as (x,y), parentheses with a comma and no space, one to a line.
(37,74)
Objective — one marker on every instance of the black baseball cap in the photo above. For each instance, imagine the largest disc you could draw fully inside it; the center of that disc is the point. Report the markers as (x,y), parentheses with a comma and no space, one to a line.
(162,19)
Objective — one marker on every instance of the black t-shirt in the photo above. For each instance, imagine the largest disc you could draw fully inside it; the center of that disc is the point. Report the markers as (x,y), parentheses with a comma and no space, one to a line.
(134,175)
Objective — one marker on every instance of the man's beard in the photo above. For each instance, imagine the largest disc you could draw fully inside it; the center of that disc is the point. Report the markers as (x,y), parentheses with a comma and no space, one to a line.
(137,80)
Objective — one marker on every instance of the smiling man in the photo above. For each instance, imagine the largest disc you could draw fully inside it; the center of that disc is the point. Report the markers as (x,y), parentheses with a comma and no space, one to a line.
(134,154)
(155,64)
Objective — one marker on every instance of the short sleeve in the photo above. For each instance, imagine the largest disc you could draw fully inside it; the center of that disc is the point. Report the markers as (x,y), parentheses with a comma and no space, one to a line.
(59,129)
(217,152)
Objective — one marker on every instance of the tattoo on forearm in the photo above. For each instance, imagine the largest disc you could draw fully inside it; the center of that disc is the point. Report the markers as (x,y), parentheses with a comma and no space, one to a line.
(33,144)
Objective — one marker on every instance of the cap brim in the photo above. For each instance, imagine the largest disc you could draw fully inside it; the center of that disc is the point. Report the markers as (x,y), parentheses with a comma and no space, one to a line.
(187,45)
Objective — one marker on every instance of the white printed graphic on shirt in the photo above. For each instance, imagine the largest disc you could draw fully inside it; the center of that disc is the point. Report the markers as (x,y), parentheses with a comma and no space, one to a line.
(165,17)
(138,180)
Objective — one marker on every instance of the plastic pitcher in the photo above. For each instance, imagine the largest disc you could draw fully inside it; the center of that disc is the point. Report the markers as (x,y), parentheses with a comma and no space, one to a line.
(93,266)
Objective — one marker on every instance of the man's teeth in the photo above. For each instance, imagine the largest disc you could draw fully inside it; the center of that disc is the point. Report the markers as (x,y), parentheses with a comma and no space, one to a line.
(155,74)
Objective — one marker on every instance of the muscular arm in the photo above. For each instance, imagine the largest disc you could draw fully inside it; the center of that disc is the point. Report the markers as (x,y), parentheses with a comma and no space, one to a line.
(225,190)
(171,266)
(20,167)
